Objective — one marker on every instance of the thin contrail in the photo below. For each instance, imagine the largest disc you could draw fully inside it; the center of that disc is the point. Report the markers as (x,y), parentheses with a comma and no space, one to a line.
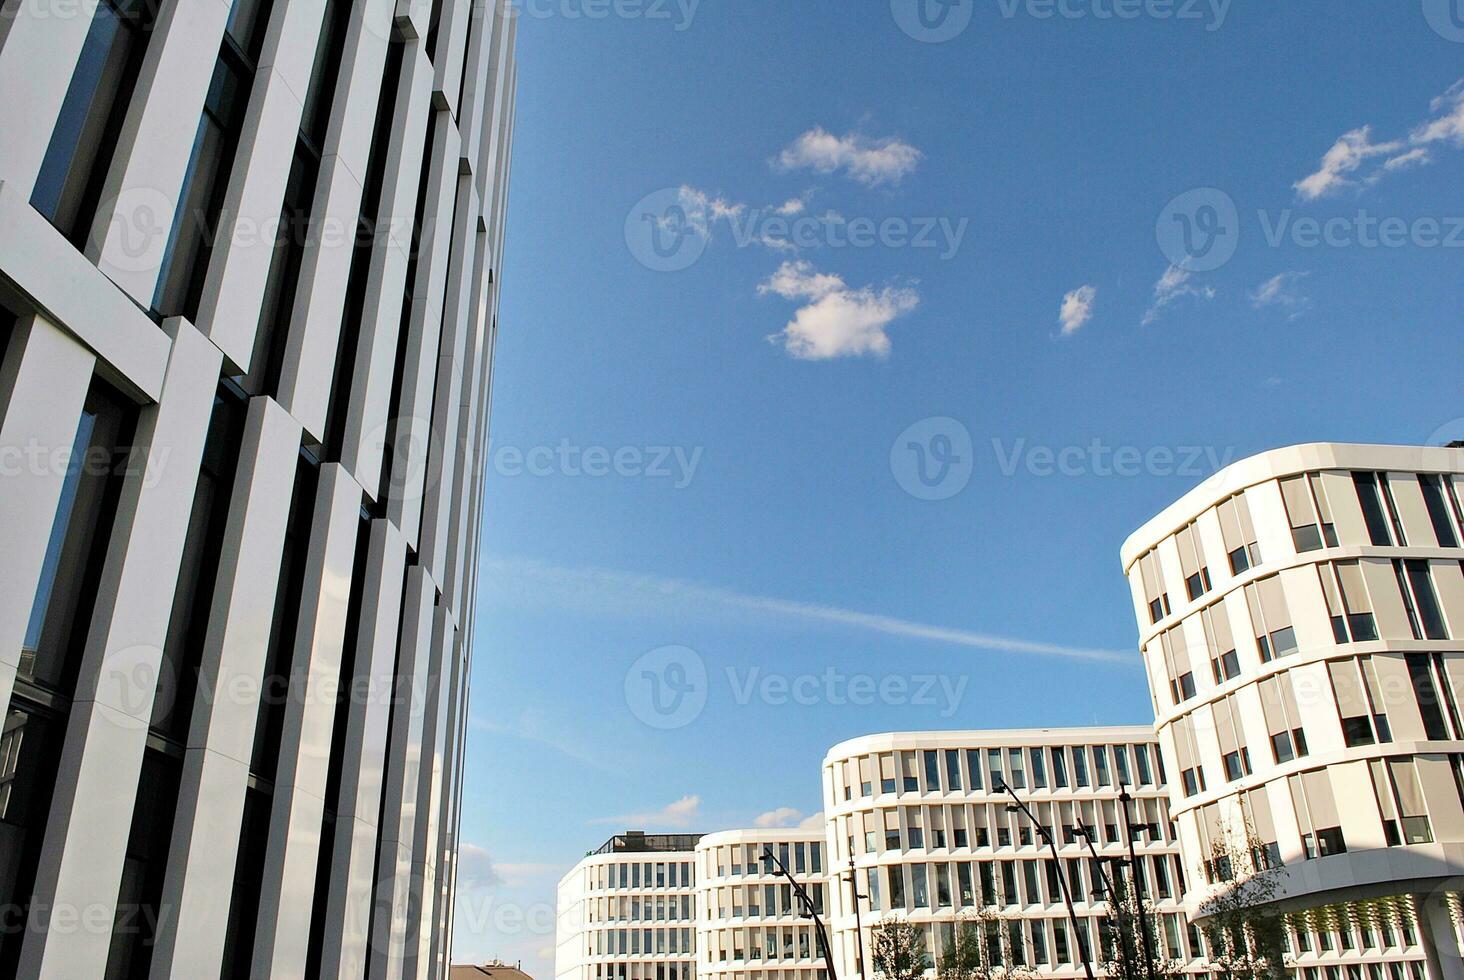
(583,580)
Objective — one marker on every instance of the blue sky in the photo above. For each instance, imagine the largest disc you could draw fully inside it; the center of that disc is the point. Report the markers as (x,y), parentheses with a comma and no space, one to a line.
(761,509)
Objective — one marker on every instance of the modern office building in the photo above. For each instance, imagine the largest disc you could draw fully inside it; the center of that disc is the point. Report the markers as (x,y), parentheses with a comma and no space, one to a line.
(920,826)
(628,911)
(680,906)
(249,262)
(750,925)
(1302,623)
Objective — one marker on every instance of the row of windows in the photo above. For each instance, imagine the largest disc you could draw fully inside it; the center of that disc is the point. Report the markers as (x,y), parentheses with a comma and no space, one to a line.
(1363,695)
(1352,592)
(755,901)
(635,942)
(641,875)
(1006,884)
(799,857)
(757,945)
(973,770)
(628,908)
(982,826)
(1440,523)
(661,970)
(1399,795)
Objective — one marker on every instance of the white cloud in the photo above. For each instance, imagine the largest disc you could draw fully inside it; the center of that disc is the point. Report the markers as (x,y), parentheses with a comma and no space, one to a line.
(1448,127)
(792,206)
(783,816)
(867,160)
(617,592)
(1282,291)
(1077,309)
(1341,165)
(1344,158)
(814,821)
(677,816)
(477,869)
(1174,285)
(836,321)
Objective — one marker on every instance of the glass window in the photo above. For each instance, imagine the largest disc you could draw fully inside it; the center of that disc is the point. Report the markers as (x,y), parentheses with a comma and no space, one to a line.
(1039,770)
(1059,768)
(66,593)
(74,169)
(1438,511)
(932,771)
(188,624)
(190,243)
(1370,498)
(30,751)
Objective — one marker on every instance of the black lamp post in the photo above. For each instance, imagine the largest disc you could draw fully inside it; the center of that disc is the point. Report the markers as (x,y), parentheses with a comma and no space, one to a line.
(858,929)
(1017,805)
(808,910)
(1111,893)
(1124,799)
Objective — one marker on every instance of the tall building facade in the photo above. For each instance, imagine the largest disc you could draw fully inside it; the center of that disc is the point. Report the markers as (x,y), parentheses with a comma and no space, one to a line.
(1302,624)
(921,829)
(249,263)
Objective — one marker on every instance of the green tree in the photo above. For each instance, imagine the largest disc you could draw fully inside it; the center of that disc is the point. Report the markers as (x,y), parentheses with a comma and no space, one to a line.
(1124,941)
(1245,935)
(898,950)
(984,946)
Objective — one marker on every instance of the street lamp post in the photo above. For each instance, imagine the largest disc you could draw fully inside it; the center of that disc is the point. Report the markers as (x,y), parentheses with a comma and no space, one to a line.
(1067,897)
(808,909)
(858,928)
(1124,799)
(1115,912)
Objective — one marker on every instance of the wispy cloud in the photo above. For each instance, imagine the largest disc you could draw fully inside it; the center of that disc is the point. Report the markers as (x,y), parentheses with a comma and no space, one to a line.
(1283,291)
(478,869)
(527,726)
(787,816)
(1174,285)
(1346,164)
(835,321)
(1077,309)
(677,816)
(869,161)
(630,592)
(783,816)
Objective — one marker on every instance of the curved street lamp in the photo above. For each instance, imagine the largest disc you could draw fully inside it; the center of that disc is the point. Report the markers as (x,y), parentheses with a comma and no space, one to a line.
(808,910)
(1078,935)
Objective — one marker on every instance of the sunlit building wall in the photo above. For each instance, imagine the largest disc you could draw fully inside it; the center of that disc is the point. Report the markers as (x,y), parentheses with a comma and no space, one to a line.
(249,264)
(1301,616)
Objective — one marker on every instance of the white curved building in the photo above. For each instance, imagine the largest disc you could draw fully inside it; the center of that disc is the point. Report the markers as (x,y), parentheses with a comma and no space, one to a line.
(921,820)
(628,911)
(750,925)
(1302,622)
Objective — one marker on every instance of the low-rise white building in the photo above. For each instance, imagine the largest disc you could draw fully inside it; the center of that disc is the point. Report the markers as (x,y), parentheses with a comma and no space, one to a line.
(921,822)
(750,923)
(627,911)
